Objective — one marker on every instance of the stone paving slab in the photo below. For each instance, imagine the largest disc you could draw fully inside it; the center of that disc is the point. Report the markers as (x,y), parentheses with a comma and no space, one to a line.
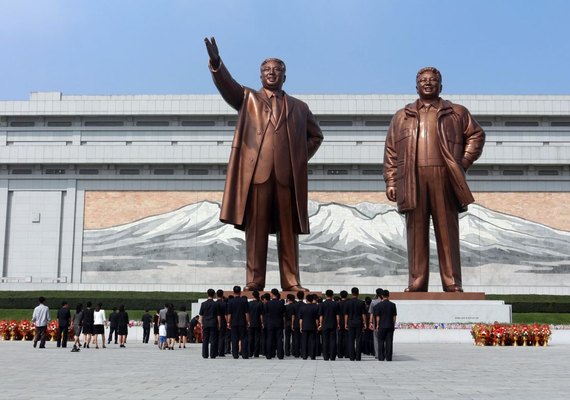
(419,371)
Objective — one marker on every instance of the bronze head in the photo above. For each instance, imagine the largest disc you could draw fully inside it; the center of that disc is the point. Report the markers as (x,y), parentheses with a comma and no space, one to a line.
(272,73)
(428,83)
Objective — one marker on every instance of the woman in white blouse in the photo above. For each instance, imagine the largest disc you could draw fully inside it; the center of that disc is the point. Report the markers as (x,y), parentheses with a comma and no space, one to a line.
(99,325)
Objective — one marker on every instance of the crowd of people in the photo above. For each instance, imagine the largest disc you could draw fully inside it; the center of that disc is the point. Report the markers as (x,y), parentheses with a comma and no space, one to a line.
(302,325)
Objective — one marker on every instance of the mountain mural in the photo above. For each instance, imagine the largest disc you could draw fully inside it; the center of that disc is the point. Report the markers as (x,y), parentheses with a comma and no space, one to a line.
(367,237)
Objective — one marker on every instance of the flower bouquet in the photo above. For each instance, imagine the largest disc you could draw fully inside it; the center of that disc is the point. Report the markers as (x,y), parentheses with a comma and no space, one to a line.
(52,330)
(13,329)
(3,329)
(25,327)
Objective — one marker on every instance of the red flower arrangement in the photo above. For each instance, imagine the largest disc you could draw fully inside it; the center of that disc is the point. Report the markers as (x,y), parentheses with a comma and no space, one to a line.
(52,327)
(511,334)
(25,328)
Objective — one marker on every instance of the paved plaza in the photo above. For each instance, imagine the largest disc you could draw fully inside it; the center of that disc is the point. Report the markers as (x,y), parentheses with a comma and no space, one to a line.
(418,371)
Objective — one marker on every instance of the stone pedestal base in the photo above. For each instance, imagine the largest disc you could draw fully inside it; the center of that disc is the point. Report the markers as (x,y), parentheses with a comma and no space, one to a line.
(453,311)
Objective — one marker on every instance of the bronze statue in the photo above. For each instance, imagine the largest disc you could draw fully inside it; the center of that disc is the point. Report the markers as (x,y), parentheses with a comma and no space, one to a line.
(430,145)
(266,183)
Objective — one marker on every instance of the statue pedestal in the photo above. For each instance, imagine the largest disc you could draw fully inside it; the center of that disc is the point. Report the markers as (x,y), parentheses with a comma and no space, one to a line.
(453,311)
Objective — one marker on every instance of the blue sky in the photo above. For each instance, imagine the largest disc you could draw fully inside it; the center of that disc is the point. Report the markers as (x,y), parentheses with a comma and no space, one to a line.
(330,46)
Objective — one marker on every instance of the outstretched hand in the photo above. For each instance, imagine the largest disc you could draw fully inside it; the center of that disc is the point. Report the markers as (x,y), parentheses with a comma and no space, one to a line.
(213,51)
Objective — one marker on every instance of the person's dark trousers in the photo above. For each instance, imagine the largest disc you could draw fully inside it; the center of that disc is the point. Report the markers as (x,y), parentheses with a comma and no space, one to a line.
(146,334)
(287,344)
(342,344)
(41,336)
(296,343)
(309,345)
(228,341)
(385,344)
(274,343)
(329,344)
(62,336)
(239,335)
(112,332)
(263,342)
(222,333)
(367,342)
(319,343)
(209,339)
(254,341)
(354,340)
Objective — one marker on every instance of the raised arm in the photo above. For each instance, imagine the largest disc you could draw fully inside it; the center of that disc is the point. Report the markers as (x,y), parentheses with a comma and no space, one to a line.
(231,91)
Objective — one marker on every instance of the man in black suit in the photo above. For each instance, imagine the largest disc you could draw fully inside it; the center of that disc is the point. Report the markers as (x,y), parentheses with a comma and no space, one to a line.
(296,342)
(275,323)
(329,321)
(256,320)
(342,343)
(385,315)
(113,326)
(210,321)
(308,320)
(289,315)
(355,321)
(223,331)
(63,321)
(238,320)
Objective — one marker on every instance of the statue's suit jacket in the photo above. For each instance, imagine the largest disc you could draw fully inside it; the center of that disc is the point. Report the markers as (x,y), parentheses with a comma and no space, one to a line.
(461,143)
(254,113)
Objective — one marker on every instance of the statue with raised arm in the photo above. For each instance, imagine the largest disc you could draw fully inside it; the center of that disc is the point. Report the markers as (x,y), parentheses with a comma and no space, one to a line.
(429,146)
(267,184)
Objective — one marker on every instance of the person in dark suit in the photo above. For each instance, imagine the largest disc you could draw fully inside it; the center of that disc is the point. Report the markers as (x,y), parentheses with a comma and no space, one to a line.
(329,321)
(256,322)
(146,321)
(289,315)
(296,342)
(275,322)
(355,321)
(342,342)
(266,182)
(238,320)
(87,323)
(309,320)
(223,331)
(210,321)
(385,316)
(63,322)
(113,326)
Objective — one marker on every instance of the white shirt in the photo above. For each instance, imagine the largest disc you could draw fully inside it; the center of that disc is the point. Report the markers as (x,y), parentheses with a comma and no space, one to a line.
(41,315)
(99,317)
(162,330)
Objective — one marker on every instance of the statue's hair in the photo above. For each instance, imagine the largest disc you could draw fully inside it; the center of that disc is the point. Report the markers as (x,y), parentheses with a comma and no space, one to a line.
(430,69)
(277,60)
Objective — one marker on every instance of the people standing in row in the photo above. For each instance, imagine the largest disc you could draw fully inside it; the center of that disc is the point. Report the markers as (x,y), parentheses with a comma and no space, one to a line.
(385,314)
(41,317)
(63,323)
(113,326)
(210,320)
(122,325)
(146,320)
